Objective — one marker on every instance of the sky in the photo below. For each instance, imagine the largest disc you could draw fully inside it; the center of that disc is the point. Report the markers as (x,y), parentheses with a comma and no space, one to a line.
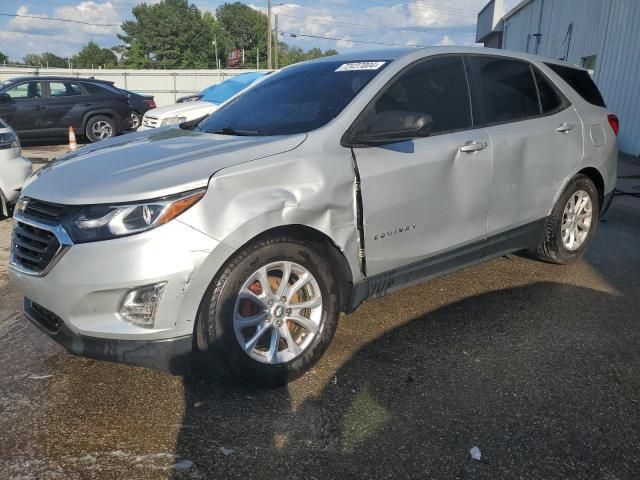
(349,23)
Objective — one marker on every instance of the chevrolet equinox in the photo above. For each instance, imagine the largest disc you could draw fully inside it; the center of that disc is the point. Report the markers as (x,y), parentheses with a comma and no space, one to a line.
(332,182)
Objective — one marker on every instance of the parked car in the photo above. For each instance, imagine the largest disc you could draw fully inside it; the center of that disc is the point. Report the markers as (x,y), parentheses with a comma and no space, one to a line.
(199,106)
(341,180)
(14,168)
(45,107)
(140,104)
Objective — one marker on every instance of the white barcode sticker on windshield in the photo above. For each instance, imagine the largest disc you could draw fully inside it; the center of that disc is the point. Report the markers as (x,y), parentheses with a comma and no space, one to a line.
(350,67)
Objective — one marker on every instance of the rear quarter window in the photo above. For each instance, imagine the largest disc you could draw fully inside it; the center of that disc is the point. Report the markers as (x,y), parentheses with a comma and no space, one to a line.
(551,99)
(581,82)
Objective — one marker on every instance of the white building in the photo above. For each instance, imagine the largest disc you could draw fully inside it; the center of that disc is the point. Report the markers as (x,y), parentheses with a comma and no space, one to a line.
(601,35)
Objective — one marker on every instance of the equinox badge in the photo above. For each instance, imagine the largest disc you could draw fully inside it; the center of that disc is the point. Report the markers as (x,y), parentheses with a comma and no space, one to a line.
(395,231)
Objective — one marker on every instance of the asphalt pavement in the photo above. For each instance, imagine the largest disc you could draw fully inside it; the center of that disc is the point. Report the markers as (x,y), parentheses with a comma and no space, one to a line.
(536,365)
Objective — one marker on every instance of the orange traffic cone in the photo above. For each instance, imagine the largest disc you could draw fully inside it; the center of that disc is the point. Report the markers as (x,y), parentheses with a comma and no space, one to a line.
(73,145)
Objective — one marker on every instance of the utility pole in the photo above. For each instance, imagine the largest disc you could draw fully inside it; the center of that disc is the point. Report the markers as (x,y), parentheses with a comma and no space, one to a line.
(269,34)
(257,58)
(277,42)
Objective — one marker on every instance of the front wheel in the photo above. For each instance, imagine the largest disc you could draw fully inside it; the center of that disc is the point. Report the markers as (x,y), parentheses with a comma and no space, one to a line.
(572,223)
(99,128)
(269,316)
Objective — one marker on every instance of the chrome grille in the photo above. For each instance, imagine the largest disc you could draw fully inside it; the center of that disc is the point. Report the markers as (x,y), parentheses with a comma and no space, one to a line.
(33,249)
(44,210)
(150,122)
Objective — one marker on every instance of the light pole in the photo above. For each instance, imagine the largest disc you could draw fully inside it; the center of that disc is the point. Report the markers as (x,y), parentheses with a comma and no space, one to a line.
(276,45)
(215,44)
(269,34)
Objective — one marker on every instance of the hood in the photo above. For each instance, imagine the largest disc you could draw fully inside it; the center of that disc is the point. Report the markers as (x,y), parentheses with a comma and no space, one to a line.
(191,110)
(146,165)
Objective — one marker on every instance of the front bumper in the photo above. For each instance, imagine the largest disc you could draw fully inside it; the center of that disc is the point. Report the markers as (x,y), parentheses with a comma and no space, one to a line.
(172,355)
(85,289)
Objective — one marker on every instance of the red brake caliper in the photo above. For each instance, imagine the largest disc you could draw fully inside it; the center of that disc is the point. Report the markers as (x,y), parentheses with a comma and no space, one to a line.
(247,307)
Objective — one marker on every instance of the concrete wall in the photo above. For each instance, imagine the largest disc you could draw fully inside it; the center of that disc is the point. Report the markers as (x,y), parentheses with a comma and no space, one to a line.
(574,29)
(165,85)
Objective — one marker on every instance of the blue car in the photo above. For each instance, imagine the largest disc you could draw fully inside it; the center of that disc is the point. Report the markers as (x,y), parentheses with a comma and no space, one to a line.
(222,91)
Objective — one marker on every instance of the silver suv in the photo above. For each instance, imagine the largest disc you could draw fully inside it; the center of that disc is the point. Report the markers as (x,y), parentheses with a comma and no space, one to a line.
(330,183)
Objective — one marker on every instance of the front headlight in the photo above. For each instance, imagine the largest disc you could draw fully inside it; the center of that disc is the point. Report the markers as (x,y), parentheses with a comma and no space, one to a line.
(103,222)
(172,121)
(9,140)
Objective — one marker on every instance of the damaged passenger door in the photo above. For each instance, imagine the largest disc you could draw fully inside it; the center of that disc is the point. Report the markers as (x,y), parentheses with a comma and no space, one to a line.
(426,194)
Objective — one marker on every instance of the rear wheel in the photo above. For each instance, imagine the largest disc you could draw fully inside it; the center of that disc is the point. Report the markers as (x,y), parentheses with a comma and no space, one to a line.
(270,314)
(99,128)
(572,223)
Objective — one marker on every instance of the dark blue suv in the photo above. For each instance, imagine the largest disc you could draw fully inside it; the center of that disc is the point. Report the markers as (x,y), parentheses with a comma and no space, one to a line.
(45,107)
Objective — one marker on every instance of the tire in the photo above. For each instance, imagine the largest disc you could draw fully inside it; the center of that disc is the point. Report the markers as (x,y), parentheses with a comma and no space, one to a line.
(99,128)
(135,121)
(218,335)
(554,248)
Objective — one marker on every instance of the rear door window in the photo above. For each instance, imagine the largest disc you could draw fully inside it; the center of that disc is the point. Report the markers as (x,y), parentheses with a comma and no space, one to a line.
(436,87)
(64,89)
(581,82)
(503,90)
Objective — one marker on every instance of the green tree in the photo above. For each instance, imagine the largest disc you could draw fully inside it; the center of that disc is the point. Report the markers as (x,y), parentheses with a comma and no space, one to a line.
(314,53)
(49,59)
(136,57)
(246,28)
(32,59)
(92,56)
(163,33)
(3,57)
(330,52)
(222,40)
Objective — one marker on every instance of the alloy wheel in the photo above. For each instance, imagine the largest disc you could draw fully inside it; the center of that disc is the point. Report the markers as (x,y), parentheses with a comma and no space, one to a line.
(576,220)
(278,312)
(102,129)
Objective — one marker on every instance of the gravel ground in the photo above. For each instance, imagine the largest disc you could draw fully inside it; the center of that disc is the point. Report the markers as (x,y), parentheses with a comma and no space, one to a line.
(536,365)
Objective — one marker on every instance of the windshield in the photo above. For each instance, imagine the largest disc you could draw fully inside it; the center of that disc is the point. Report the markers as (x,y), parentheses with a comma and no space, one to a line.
(296,100)
(224,91)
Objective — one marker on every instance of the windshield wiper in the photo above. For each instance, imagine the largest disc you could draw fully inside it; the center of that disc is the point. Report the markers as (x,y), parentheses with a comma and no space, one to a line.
(233,131)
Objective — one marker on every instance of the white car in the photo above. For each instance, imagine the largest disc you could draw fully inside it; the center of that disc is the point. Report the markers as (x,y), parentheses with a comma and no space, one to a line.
(206,102)
(14,168)
(178,113)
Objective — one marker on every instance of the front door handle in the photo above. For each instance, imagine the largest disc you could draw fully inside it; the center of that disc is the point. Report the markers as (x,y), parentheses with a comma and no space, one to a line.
(87,104)
(38,107)
(473,146)
(565,127)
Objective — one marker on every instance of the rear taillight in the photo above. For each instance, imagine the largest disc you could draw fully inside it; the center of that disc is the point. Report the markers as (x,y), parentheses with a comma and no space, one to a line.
(614,122)
(151,103)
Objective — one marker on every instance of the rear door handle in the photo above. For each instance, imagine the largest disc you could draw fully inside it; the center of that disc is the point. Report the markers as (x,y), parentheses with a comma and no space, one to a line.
(87,104)
(38,107)
(565,127)
(473,146)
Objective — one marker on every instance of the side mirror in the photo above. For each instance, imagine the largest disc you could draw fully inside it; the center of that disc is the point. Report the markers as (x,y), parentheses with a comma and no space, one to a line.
(391,127)
(5,97)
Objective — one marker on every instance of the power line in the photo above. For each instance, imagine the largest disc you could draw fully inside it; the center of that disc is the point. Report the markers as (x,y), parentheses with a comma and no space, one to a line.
(59,20)
(382,27)
(294,35)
